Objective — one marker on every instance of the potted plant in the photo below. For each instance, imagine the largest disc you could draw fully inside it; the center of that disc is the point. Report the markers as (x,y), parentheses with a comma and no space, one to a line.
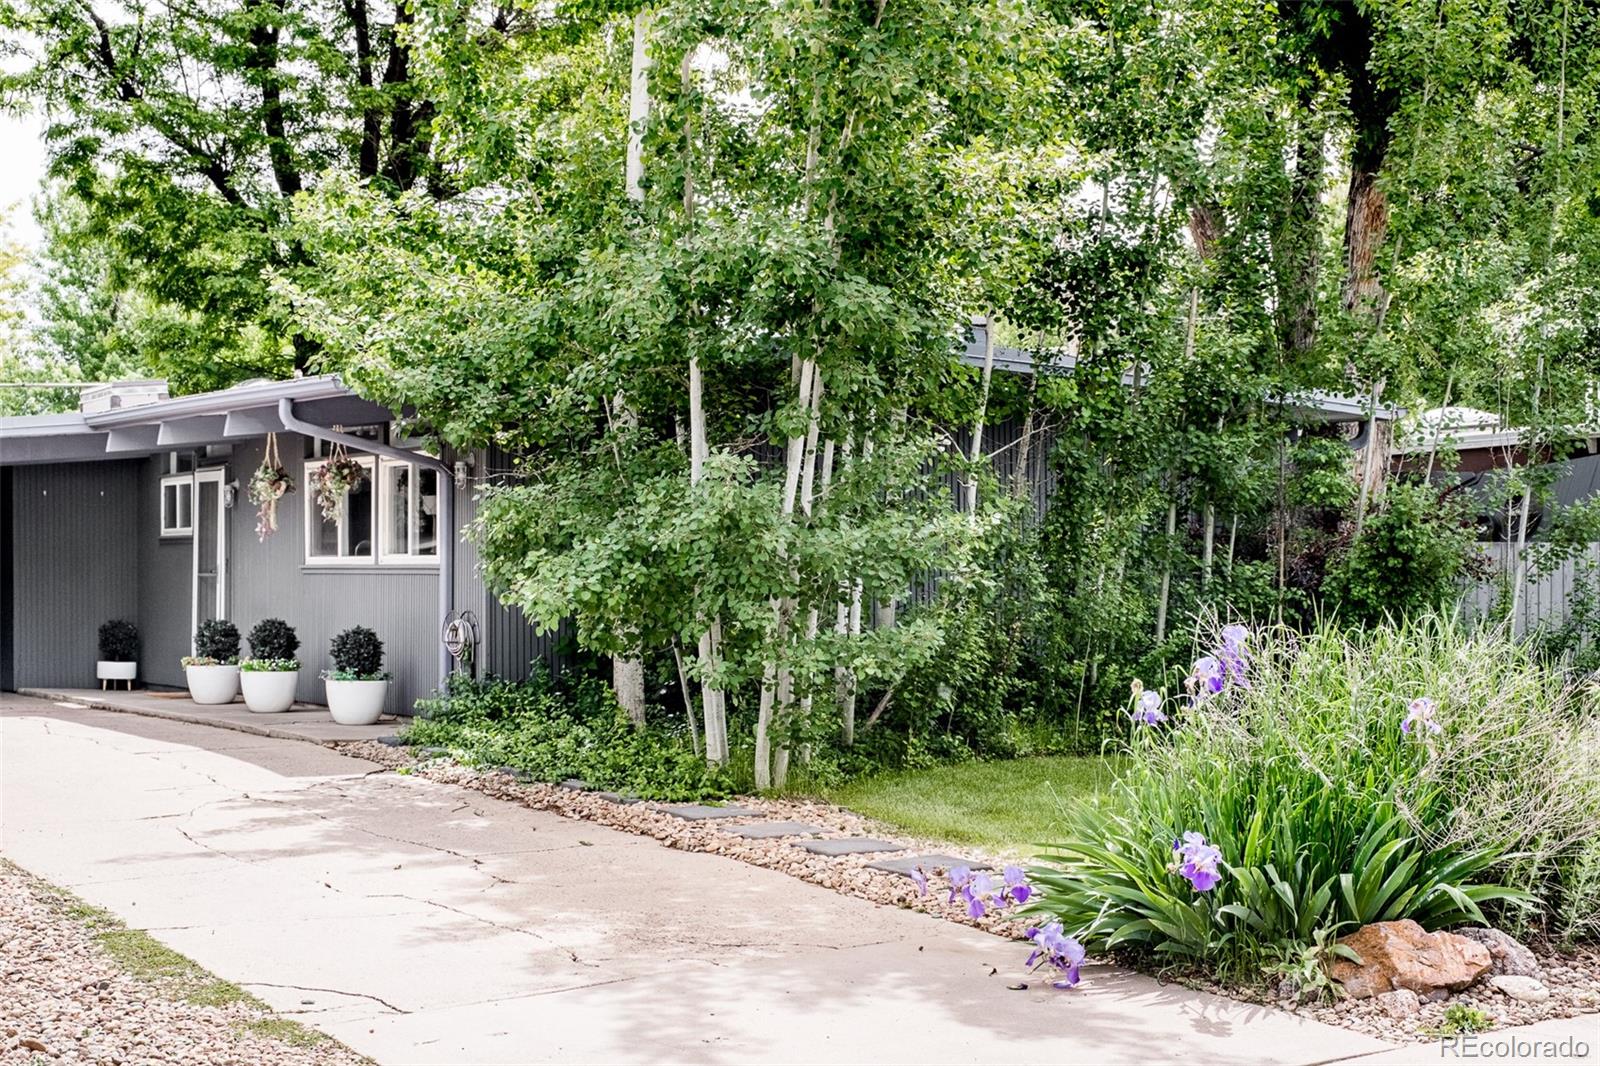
(119,653)
(213,669)
(357,684)
(270,674)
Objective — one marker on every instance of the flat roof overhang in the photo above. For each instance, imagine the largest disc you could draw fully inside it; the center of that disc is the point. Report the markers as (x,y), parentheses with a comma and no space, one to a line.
(1314,405)
(239,413)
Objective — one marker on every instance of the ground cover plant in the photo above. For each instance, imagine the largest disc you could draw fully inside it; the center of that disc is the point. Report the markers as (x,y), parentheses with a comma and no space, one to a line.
(1298,787)
(556,732)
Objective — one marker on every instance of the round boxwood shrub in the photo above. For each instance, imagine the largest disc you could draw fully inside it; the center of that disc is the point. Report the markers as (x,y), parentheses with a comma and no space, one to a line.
(273,639)
(217,639)
(119,642)
(358,655)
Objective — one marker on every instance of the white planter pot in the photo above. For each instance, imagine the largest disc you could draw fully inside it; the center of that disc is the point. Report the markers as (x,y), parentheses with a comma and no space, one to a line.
(268,691)
(212,684)
(356,702)
(106,670)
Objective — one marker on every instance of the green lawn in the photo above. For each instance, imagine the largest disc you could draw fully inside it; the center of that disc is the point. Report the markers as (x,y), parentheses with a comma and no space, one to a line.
(1012,804)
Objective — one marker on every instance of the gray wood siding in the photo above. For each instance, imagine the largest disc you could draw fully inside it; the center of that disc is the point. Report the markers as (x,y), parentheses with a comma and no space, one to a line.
(270,579)
(75,564)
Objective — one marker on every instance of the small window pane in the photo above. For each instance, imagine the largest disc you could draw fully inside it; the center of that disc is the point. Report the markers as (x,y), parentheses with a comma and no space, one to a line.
(169,506)
(358,519)
(397,508)
(427,536)
(185,506)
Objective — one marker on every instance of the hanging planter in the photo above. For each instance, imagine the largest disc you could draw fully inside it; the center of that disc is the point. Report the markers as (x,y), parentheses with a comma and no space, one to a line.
(333,479)
(269,484)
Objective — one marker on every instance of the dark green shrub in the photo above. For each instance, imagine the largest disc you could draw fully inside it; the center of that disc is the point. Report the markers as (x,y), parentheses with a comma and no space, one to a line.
(217,638)
(119,642)
(273,638)
(1409,559)
(358,653)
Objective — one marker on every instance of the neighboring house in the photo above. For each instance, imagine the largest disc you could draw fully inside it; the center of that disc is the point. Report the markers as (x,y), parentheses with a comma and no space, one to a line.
(135,507)
(1476,450)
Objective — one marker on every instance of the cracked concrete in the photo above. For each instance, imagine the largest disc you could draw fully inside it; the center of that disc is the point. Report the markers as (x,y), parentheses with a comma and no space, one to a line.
(420,923)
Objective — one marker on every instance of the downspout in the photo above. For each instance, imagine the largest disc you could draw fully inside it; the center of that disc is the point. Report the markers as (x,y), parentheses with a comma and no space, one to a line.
(447,506)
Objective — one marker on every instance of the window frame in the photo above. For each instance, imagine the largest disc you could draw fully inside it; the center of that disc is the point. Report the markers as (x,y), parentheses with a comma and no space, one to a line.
(381,501)
(313,518)
(184,484)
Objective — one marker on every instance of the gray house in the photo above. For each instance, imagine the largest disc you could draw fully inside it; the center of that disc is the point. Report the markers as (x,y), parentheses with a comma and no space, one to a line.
(135,507)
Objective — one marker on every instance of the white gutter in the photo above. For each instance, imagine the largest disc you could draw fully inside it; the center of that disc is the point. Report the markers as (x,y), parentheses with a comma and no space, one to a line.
(447,506)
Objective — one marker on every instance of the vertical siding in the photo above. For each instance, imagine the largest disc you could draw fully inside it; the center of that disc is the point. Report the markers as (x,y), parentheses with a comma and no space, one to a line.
(75,564)
(270,579)
(165,581)
(511,644)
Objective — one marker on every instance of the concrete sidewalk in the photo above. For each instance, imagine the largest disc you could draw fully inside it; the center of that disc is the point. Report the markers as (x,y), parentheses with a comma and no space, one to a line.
(304,721)
(422,923)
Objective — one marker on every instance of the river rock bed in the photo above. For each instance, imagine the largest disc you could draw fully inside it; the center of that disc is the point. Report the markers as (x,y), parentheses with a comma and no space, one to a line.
(64,999)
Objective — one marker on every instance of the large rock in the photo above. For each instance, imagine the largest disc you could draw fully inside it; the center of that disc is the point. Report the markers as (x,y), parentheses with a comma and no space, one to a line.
(1506,954)
(1404,955)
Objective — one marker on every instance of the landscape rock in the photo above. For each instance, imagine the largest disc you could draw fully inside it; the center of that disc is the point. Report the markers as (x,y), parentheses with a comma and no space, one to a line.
(1404,955)
(1400,1003)
(1518,987)
(1507,954)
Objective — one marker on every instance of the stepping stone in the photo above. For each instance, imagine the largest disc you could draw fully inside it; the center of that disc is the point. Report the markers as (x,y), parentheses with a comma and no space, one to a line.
(512,772)
(575,784)
(434,753)
(930,864)
(699,812)
(624,798)
(393,741)
(849,846)
(769,830)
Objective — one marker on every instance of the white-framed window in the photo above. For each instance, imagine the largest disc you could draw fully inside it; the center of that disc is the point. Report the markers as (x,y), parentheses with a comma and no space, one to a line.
(177,505)
(350,538)
(408,513)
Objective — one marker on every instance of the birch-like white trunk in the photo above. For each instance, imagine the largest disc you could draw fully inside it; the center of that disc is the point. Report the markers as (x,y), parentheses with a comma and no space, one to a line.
(976,449)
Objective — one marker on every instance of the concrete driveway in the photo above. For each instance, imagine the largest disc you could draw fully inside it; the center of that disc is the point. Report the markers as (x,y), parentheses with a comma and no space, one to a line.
(423,923)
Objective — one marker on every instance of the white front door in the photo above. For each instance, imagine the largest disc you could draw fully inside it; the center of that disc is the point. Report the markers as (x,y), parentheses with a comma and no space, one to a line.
(210,590)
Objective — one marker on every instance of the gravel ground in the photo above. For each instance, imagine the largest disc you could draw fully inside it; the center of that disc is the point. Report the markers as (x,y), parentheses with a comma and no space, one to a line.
(1573,979)
(65,999)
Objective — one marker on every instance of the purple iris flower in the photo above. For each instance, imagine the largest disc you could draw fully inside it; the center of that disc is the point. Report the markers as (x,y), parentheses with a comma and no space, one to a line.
(1147,710)
(1052,947)
(1208,676)
(919,879)
(1234,638)
(1197,861)
(1420,712)
(960,878)
(1017,886)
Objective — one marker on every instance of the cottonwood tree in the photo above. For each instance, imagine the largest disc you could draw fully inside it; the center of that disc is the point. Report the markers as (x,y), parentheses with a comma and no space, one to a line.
(185,131)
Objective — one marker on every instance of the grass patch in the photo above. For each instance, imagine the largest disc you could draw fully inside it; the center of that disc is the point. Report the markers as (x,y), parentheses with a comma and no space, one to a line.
(1012,804)
(288,1032)
(145,957)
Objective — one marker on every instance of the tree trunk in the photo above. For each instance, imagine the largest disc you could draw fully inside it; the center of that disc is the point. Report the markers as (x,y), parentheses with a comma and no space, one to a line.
(1166,573)
(970,503)
(627,678)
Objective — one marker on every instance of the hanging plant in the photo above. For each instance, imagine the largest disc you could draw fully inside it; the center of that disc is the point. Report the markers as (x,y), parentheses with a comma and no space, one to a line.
(269,484)
(333,479)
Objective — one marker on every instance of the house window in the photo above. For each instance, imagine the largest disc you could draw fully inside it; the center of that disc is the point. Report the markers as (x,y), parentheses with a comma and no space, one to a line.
(177,505)
(391,517)
(349,537)
(408,503)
